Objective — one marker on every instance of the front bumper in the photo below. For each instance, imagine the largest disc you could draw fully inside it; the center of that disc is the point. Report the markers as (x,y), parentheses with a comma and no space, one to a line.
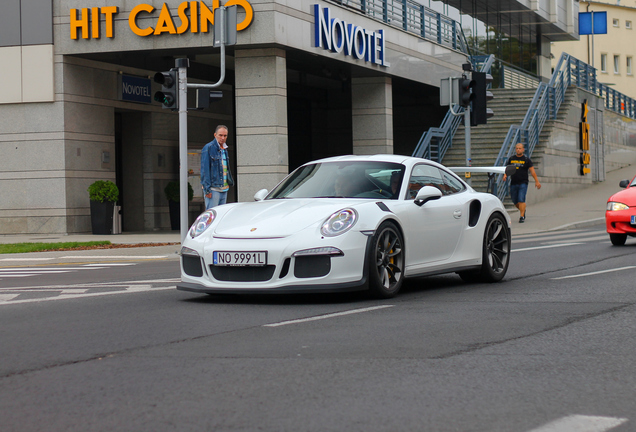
(284,273)
(619,222)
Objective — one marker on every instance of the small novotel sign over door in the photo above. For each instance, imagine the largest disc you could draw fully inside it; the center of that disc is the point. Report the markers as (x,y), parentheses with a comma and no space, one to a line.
(135,89)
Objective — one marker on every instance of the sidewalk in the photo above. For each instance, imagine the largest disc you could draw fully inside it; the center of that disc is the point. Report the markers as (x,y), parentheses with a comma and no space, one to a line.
(124,238)
(576,209)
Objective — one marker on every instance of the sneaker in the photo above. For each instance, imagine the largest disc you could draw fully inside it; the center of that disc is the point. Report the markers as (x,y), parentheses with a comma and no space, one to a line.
(522,219)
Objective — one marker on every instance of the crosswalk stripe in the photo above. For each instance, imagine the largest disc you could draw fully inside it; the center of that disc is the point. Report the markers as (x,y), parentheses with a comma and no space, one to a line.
(581,423)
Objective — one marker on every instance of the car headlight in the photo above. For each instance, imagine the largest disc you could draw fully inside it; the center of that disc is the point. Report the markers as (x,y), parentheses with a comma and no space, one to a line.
(202,223)
(614,206)
(339,223)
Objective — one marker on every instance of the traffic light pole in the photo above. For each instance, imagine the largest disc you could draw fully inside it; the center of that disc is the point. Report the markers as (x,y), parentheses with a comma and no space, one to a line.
(467,141)
(182,64)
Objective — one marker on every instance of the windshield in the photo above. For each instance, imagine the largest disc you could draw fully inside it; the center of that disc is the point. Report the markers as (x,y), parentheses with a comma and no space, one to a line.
(363,179)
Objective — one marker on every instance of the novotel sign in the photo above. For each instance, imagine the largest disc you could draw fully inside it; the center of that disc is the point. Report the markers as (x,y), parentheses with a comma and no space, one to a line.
(339,36)
(192,16)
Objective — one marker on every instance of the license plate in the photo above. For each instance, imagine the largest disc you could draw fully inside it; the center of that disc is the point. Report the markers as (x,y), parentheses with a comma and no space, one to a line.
(633,220)
(243,258)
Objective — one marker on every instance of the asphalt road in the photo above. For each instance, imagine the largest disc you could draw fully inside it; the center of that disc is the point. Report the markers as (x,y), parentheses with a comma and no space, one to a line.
(117,348)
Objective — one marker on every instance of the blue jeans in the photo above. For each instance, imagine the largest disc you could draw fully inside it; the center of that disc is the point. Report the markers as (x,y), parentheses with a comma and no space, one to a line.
(518,192)
(217,198)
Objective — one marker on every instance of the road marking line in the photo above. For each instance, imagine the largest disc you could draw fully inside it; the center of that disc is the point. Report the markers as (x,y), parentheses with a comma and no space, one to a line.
(115,257)
(581,423)
(107,264)
(93,284)
(2,276)
(31,272)
(7,297)
(546,247)
(73,296)
(26,259)
(595,273)
(42,269)
(584,239)
(321,317)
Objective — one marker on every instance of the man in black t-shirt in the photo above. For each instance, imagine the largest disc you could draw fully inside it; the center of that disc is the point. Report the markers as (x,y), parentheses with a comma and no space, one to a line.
(519,180)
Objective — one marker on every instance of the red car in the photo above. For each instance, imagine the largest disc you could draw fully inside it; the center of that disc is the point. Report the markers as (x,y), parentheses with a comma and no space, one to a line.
(620,214)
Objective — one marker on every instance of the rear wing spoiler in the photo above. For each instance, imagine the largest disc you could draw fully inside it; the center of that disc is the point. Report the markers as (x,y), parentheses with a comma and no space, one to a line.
(508,170)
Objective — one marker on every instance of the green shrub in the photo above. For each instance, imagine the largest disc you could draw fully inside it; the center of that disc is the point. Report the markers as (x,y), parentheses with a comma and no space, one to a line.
(103,191)
(172,191)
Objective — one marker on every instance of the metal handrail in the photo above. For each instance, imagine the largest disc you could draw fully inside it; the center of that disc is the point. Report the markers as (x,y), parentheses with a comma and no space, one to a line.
(546,103)
(445,133)
(414,18)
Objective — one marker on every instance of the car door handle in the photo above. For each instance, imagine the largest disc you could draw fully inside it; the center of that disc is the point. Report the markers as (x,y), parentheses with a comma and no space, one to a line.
(457,214)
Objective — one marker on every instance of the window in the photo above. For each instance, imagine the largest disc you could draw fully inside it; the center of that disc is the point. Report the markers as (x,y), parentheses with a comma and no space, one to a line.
(425,175)
(628,25)
(617,65)
(452,183)
(629,66)
(615,22)
(604,63)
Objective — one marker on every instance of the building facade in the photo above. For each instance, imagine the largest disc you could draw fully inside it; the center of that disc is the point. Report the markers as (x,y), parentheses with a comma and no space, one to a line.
(612,54)
(305,80)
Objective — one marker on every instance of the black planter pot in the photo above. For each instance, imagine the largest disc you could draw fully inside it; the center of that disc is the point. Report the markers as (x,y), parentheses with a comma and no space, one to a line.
(102,217)
(175,216)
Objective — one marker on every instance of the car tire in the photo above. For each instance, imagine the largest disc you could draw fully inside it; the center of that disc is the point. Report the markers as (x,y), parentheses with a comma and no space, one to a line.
(495,252)
(618,239)
(386,261)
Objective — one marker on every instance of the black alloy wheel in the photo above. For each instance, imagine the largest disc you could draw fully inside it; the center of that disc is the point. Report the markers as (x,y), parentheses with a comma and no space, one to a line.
(495,252)
(386,261)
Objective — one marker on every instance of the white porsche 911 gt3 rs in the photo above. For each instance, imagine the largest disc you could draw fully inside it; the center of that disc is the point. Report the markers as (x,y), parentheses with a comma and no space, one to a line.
(349,223)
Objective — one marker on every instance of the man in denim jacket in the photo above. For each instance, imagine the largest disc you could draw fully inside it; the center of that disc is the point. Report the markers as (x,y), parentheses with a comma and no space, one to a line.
(216,177)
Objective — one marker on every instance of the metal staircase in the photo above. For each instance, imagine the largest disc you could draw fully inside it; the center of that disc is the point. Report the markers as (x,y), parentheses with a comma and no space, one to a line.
(544,106)
(510,106)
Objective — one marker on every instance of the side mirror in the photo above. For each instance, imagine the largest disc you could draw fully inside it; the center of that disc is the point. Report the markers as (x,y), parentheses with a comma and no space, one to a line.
(260,195)
(624,183)
(510,170)
(427,193)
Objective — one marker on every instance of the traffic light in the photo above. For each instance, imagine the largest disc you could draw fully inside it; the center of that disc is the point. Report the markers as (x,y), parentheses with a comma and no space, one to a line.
(169,94)
(466,94)
(480,112)
(205,96)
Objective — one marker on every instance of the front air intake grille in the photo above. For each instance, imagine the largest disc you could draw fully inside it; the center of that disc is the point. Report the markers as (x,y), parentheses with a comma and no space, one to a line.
(192,265)
(285,269)
(243,274)
(312,266)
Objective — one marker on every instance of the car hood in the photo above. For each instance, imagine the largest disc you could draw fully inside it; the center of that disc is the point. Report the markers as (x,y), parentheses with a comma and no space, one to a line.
(626,196)
(277,218)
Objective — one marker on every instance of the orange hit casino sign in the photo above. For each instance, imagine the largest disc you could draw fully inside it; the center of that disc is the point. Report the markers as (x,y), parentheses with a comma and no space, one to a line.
(192,16)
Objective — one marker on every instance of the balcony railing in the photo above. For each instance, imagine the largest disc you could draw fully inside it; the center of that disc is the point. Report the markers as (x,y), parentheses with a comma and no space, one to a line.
(413,18)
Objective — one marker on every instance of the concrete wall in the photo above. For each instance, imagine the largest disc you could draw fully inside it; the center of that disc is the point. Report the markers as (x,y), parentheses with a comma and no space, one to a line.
(612,146)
